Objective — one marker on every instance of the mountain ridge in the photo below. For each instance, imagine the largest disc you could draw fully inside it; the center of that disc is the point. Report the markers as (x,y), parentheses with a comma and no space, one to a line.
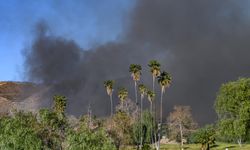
(21,96)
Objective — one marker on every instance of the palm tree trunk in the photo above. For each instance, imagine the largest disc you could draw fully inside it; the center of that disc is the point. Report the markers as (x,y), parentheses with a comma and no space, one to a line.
(153,84)
(141,122)
(152,128)
(155,100)
(111,105)
(161,106)
(239,142)
(181,132)
(208,146)
(136,108)
(159,134)
(154,116)
(151,108)
(136,94)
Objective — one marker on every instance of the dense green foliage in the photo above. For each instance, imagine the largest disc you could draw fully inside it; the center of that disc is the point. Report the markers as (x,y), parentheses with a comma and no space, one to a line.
(51,129)
(120,128)
(147,128)
(233,108)
(18,132)
(205,136)
(59,104)
(91,139)
(130,125)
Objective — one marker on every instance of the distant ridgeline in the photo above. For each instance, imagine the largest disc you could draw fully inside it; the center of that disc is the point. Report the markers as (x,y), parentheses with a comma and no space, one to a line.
(12,93)
(14,90)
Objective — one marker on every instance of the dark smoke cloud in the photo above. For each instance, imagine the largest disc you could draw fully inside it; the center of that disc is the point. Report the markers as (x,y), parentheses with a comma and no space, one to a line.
(201,43)
(79,74)
(207,43)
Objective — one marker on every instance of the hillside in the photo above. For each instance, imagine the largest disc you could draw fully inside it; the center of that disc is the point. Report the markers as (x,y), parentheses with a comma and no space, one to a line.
(15,91)
(19,95)
(5,105)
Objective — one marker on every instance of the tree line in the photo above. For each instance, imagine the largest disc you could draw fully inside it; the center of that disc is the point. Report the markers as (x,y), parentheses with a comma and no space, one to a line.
(164,80)
(130,124)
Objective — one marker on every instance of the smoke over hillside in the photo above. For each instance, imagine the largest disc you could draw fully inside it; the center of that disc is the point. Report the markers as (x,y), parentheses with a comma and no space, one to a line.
(201,43)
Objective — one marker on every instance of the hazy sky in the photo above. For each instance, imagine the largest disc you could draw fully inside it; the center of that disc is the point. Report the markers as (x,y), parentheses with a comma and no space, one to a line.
(86,21)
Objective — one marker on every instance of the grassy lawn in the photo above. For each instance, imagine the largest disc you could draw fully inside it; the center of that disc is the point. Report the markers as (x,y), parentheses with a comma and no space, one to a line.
(217,146)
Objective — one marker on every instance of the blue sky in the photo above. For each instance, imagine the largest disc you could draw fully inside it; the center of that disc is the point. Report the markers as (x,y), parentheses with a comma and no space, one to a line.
(86,21)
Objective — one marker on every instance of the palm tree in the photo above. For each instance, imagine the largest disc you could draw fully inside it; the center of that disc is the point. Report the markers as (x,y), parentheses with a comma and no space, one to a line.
(143,91)
(122,95)
(109,87)
(164,80)
(151,96)
(60,103)
(155,70)
(135,71)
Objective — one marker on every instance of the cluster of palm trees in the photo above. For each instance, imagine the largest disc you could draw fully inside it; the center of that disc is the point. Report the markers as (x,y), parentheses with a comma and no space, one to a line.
(164,80)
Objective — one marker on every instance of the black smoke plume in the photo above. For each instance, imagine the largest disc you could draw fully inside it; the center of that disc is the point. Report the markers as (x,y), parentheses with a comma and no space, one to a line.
(201,43)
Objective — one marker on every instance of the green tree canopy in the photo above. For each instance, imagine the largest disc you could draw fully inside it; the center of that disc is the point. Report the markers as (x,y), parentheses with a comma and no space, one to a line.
(164,80)
(205,136)
(19,132)
(119,128)
(85,138)
(135,71)
(154,67)
(109,86)
(59,104)
(233,108)
(142,89)
(122,94)
(147,128)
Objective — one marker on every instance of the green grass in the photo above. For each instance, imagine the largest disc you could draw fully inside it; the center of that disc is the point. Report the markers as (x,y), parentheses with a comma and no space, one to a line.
(217,146)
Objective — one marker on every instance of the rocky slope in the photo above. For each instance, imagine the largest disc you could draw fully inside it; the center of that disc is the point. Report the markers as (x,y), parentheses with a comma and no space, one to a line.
(20,96)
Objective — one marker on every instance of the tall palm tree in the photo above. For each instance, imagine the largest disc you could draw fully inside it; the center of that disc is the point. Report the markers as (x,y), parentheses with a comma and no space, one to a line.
(109,88)
(122,95)
(143,91)
(164,80)
(151,96)
(135,71)
(155,70)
